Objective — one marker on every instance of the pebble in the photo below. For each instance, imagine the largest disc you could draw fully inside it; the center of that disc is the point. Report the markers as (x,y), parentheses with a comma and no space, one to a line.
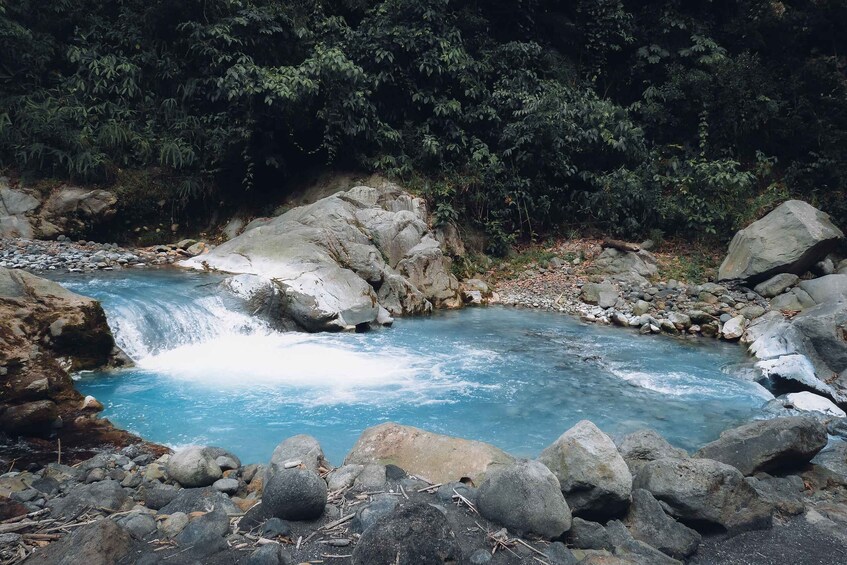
(80,257)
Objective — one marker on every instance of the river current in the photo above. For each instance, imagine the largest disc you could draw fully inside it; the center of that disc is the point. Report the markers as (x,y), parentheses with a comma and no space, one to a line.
(209,374)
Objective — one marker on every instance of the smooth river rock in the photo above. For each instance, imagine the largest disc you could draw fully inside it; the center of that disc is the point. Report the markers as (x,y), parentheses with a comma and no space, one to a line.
(295,494)
(434,457)
(194,467)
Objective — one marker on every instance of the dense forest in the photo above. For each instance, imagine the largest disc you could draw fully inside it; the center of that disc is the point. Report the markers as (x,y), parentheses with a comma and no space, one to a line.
(521,117)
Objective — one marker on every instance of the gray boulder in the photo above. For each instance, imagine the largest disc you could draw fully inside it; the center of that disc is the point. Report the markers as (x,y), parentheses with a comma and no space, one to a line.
(627,265)
(415,533)
(776,285)
(157,496)
(786,494)
(808,348)
(635,551)
(703,491)
(102,543)
(594,477)
(14,207)
(200,500)
(766,445)
(337,261)
(526,498)
(830,288)
(602,294)
(138,524)
(648,522)
(303,448)
(790,239)
(343,477)
(205,534)
(106,494)
(643,446)
(71,209)
(194,467)
(295,494)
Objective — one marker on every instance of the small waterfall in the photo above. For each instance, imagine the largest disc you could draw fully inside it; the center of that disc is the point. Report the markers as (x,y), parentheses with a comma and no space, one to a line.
(149,316)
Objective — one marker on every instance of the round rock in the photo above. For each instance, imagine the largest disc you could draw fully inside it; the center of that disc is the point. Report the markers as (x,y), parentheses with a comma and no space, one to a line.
(193,467)
(295,494)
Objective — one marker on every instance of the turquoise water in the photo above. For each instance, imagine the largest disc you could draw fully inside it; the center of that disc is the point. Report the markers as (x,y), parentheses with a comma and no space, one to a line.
(208,374)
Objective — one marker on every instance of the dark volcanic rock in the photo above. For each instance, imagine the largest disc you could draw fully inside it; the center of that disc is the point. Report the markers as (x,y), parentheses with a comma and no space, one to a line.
(295,494)
(414,533)
(525,497)
(647,522)
(766,445)
(101,543)
(703,491)
(106,494)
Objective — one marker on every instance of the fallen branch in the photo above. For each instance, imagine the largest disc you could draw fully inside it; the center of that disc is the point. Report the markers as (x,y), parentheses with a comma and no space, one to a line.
(620,245)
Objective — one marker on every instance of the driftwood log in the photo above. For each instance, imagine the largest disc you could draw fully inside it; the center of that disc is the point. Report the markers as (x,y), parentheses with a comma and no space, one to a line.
(620,245)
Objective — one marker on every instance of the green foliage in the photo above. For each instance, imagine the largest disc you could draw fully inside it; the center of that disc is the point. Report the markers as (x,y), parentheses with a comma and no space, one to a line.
(520,116)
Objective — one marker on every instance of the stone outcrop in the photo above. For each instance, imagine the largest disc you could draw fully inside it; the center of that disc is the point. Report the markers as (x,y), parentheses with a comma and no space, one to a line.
(67,210)
(808,349)
(435,457)
(343,261)
(790,239)
(48,331)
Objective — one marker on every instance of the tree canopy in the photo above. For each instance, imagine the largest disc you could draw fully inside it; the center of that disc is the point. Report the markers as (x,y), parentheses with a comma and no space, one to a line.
(521,116)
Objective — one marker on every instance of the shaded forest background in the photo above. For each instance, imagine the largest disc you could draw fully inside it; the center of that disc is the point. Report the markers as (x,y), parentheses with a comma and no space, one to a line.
(521,117)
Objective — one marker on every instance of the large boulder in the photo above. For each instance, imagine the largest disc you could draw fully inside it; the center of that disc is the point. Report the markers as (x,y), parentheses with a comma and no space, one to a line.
(767,445)
(34,418)
(526,498)
(830,288)
(336,261)
(627,265)
(435,457)
(809,348)
(194,467)
(790,239)
(594,477)
(415,533)
(602,294)
(295,494)
(77,210)
(703,491)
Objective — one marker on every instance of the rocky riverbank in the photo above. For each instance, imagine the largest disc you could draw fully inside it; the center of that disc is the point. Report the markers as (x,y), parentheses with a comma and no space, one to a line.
(404,495)
(787,300)
(47,333)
